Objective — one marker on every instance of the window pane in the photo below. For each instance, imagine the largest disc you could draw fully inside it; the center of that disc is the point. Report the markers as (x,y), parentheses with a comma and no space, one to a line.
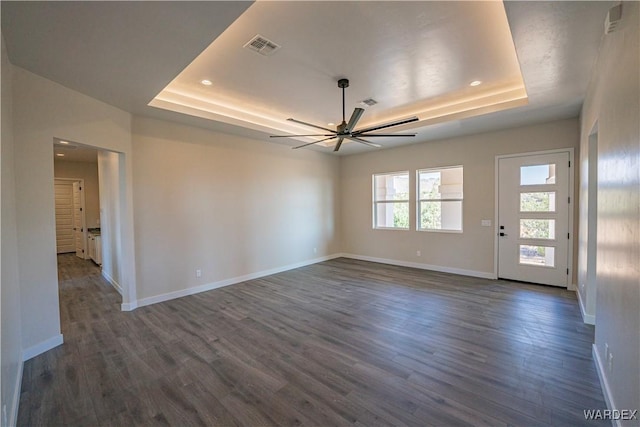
(446,215)
(440,184)
(392,215)
(537,255)
(537,229)
(538,174)
(391,187)
(538,202)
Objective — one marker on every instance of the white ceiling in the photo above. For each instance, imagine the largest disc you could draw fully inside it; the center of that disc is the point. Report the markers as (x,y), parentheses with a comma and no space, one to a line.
(125,53)
(413,59)
(72,152)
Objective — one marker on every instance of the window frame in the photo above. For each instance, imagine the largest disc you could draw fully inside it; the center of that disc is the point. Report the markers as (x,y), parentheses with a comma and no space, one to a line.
(419,201)
(376,202)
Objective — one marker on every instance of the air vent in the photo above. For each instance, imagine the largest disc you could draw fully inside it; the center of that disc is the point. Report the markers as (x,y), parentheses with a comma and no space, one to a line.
(614,16)
(262,45)
(368,102)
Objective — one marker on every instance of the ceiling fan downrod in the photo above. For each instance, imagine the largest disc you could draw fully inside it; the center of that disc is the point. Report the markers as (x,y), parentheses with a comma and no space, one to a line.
(343,84)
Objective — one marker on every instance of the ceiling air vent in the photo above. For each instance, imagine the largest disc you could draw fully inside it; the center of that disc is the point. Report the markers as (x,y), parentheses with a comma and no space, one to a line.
(369,102)
(614,16)
(262,45)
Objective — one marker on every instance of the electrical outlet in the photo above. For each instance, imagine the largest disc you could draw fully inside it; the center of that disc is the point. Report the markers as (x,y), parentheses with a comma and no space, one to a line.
(610,365)
(5,421)
(198,273)
(315,250)
(606,352)
(418,253)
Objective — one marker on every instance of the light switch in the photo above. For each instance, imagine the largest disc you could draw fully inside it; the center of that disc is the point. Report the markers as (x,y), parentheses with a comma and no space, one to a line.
(485,223)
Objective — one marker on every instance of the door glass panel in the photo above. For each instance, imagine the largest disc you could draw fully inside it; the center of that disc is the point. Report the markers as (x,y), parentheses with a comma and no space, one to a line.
(538,202)
(538,174)
(537,229)
(543,256)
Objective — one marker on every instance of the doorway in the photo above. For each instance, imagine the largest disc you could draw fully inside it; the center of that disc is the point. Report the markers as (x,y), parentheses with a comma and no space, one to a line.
(101,176)
(534,205)
(70,220)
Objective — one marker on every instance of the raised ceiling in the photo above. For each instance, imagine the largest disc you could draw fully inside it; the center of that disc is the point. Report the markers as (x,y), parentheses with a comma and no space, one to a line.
(414,59)
(409,56)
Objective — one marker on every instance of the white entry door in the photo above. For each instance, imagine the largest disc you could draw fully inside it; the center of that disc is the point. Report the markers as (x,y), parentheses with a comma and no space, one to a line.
(533,218)
(78,215)
(65,235)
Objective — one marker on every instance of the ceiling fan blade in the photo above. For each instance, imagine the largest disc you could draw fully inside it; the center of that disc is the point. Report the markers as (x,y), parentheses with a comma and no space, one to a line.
(314,142)
(293,136)
(362,141)
(309,124)
(387,125)
(357,113)
(386,135)
(337,147)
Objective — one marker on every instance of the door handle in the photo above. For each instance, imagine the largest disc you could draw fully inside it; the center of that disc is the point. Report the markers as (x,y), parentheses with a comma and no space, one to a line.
(503,234)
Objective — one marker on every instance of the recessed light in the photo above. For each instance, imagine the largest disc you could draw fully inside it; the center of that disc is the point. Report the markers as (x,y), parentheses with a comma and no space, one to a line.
(59,154)
(64,142)
(331,124)
(206,82)
(475,83)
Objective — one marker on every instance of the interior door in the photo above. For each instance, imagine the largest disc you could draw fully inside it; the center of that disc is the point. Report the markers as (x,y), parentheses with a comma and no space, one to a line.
(78,224)
(65,235)
(533,218)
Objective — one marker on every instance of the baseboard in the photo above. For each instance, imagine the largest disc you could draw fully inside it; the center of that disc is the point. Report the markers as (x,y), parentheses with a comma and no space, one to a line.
(604,384)
(589,319)
(128,306)
(112,281)
(438,268)
(13,415)
(38,349)
(222,283)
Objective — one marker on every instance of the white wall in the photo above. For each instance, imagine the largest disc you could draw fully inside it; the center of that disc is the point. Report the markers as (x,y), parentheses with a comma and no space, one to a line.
(470,252)
(11,345)
(89,172)
(111,220)
(613,102)
(42,111)
(226,205)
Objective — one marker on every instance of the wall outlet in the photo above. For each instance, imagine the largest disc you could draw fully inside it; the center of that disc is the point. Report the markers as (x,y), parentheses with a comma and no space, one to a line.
(315,250)
(418,253)
(606,352)
(5,421)
(610,363)
(198,273)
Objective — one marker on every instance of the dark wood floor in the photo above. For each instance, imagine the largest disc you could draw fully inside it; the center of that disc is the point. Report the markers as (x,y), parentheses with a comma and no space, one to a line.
(338,343)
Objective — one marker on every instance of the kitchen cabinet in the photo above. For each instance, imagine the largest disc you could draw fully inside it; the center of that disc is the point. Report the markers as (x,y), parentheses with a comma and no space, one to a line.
(95,248)
(98,252)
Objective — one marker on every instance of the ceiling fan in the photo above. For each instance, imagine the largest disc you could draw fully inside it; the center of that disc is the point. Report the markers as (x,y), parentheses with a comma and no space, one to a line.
(346,130)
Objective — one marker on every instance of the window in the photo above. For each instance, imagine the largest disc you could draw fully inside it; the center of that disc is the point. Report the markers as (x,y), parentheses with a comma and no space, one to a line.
(391,200)
(440,199)
(538,174)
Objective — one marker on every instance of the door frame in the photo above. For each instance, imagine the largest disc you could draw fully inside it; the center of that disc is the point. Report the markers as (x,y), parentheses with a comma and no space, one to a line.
(84,212)
(570,252)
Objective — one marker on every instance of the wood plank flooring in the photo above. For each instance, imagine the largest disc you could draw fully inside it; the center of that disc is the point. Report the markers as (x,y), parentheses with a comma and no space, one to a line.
(339,343)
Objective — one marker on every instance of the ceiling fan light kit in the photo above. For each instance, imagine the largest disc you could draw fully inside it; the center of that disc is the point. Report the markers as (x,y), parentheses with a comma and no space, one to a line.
(346,130)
